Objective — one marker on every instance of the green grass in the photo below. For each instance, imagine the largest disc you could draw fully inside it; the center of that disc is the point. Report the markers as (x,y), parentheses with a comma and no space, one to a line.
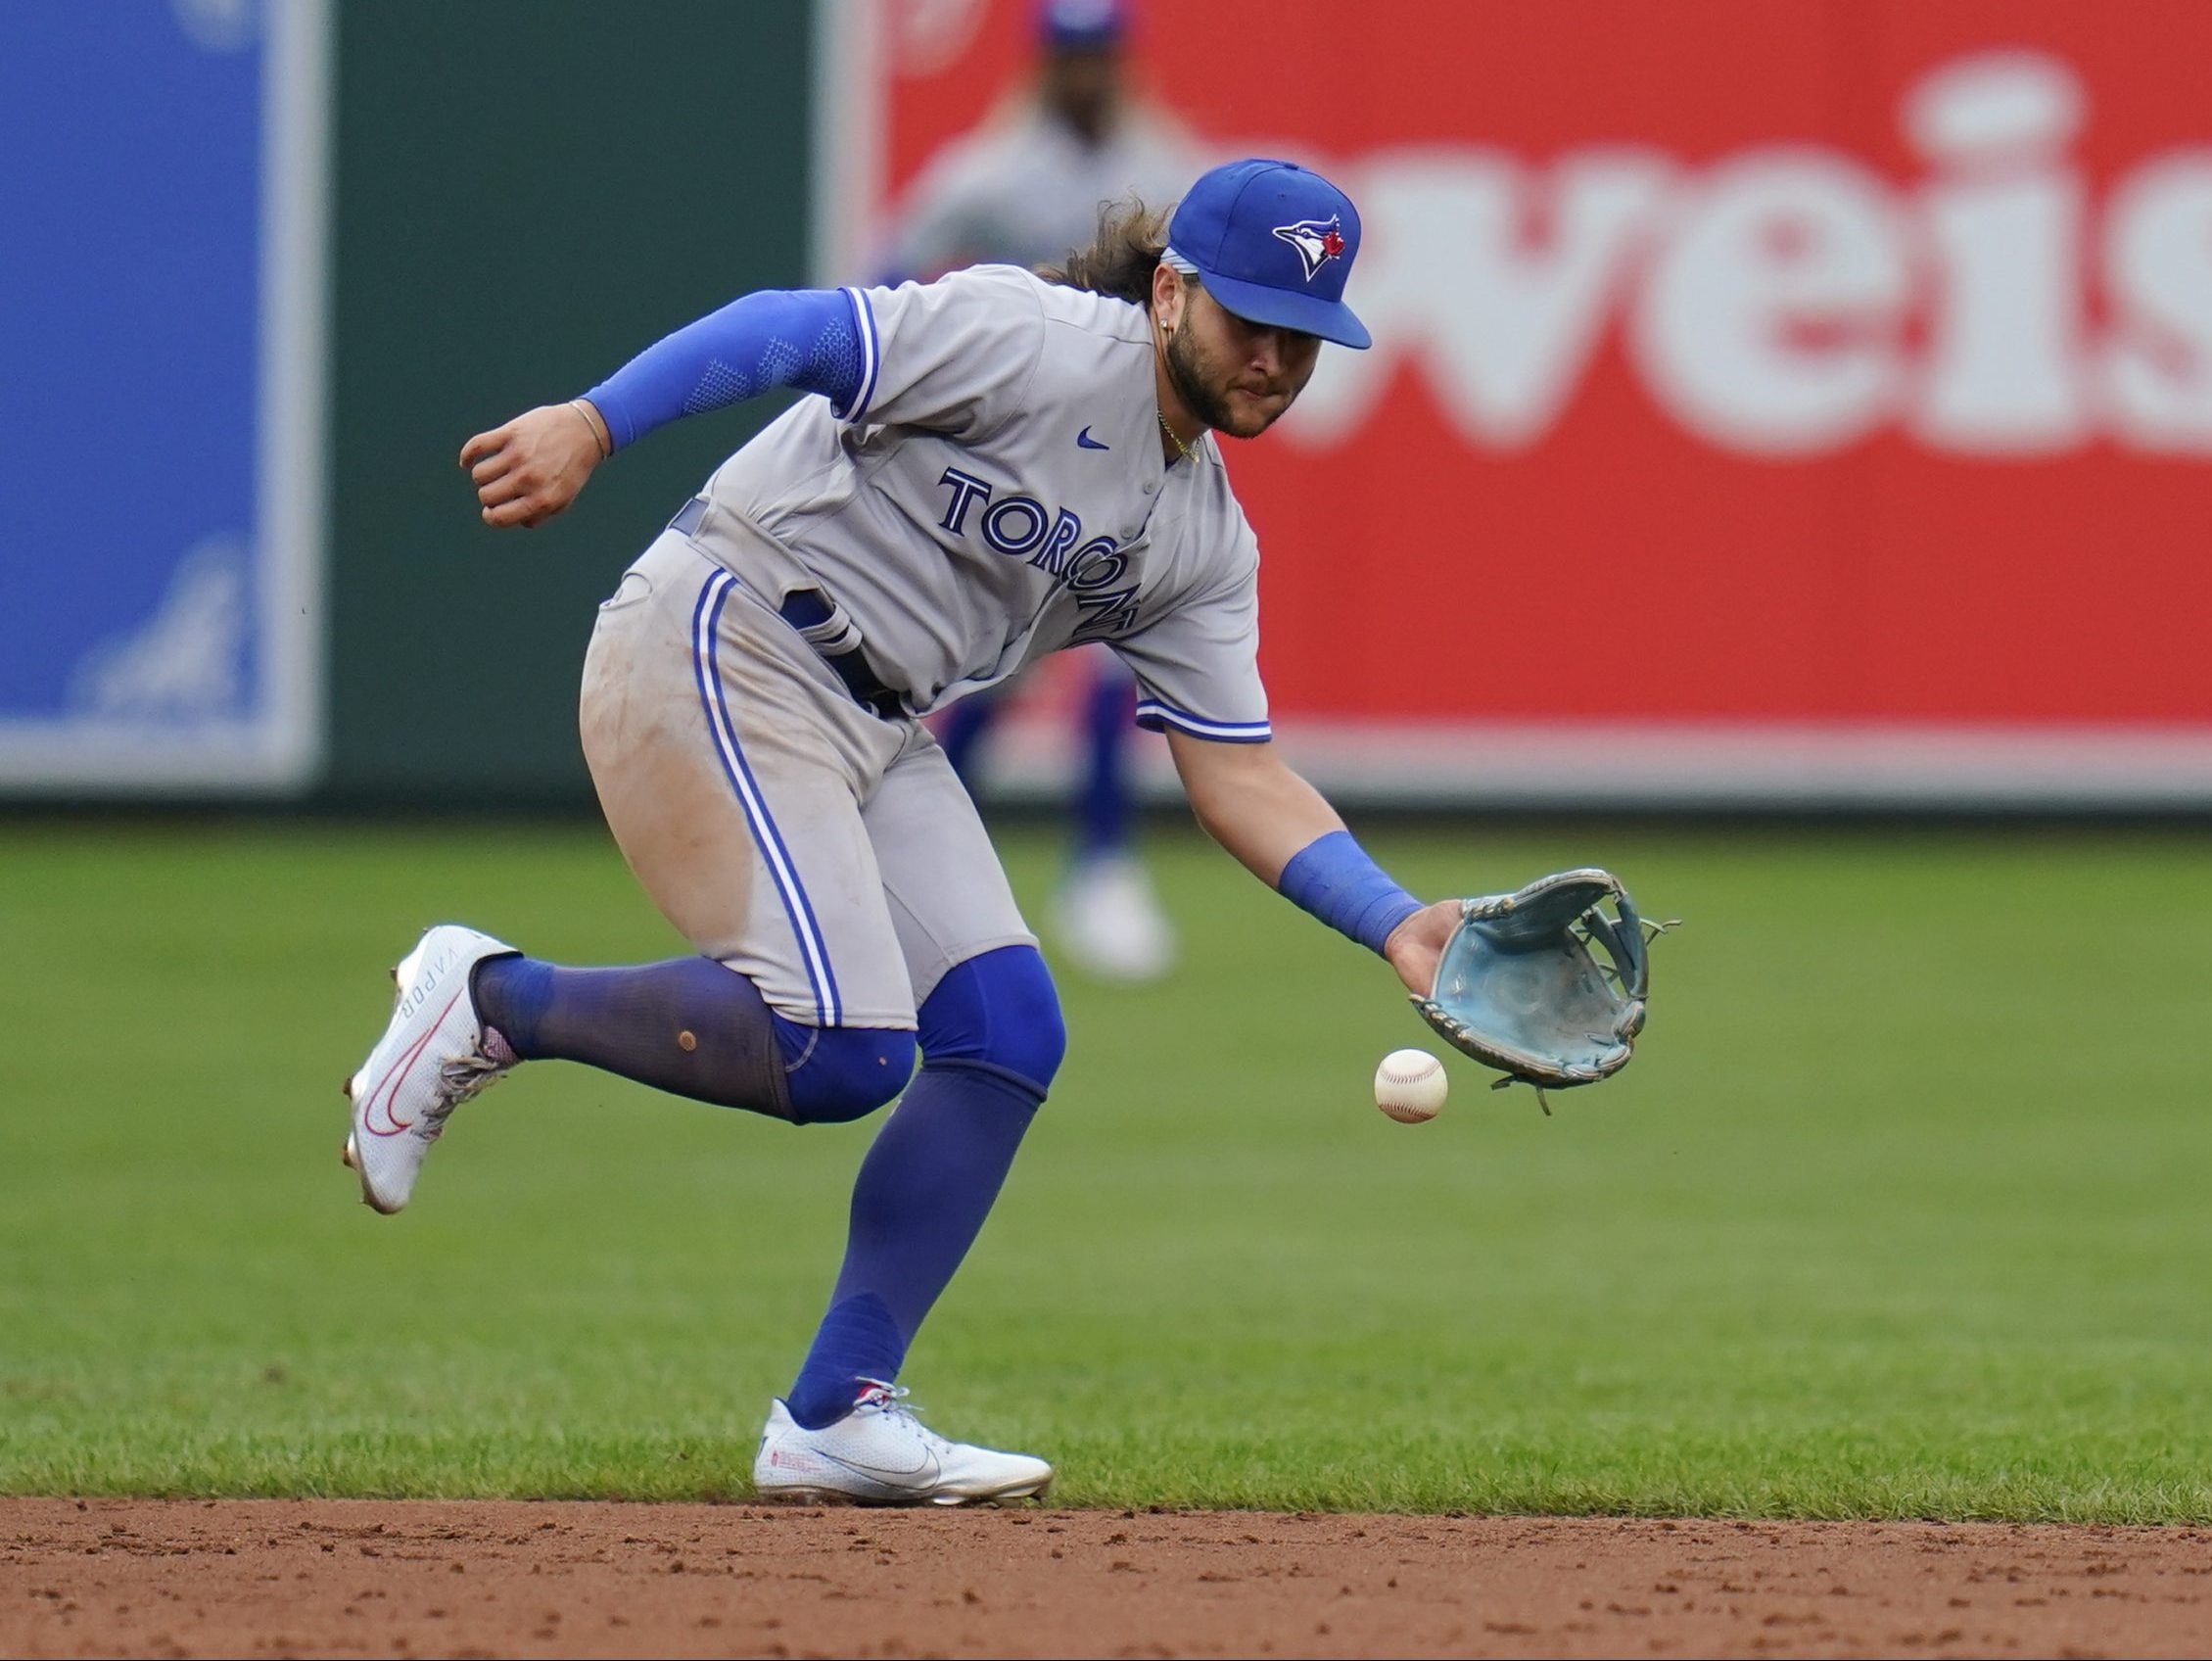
(1901,1211)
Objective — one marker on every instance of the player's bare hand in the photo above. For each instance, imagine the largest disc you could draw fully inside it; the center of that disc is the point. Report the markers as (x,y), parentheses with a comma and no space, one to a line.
(1415,945)
(532,467)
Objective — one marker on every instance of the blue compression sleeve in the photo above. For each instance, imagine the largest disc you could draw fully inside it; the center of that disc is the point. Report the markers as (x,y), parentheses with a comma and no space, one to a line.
(1332,879)
(802,338)
(694,1028)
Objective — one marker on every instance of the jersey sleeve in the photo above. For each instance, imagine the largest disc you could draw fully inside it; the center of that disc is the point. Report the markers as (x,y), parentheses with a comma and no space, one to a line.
(1197,663)
(953,357)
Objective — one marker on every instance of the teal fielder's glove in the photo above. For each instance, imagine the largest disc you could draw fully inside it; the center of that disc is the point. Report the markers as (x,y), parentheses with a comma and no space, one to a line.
(1519,989)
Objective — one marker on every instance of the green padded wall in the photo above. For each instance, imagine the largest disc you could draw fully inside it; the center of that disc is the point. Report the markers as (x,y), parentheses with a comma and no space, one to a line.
(526,195)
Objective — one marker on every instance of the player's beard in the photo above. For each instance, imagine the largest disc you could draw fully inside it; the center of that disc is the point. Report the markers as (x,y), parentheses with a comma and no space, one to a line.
(1188,373)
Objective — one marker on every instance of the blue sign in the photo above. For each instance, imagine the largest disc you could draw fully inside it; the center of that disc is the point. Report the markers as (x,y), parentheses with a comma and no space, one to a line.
(163,228)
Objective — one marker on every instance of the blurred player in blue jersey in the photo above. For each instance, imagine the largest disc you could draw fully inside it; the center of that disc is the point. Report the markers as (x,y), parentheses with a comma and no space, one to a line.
(1023,189)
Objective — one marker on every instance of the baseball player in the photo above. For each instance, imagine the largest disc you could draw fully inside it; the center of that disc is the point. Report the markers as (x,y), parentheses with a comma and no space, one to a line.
(1025,189)
(995,466)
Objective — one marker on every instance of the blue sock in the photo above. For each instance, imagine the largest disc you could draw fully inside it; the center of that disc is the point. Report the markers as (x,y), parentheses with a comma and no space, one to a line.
(693,1027)
(923,1194)
(1103,808)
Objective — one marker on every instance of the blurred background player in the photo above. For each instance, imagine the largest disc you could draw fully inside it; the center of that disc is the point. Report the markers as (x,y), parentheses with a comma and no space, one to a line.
(1023,189)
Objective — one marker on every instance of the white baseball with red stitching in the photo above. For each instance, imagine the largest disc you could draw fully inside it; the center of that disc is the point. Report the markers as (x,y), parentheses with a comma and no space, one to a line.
(1410,1086)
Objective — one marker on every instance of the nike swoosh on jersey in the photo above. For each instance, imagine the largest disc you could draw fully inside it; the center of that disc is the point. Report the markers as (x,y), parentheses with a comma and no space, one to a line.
(1084,441)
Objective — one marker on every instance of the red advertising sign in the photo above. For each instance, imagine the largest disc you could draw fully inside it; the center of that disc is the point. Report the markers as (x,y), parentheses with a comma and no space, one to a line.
(1791,400)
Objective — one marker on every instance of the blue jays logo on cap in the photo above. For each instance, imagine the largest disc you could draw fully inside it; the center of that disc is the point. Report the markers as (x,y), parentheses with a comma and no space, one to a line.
(1273,243)
(1315,241)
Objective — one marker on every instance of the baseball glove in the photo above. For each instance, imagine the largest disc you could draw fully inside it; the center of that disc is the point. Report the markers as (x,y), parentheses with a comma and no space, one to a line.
(1518,989)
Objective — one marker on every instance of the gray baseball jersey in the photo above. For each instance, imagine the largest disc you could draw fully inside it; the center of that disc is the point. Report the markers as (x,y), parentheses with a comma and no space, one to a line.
(996,491)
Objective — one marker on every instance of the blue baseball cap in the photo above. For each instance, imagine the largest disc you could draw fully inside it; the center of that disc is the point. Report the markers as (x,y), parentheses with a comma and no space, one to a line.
(1081,25)
(1274,244)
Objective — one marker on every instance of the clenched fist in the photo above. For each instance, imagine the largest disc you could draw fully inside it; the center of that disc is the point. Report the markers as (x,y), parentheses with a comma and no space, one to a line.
(532,467)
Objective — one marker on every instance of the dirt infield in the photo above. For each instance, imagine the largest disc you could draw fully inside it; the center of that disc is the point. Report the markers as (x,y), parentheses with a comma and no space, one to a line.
(354,1578)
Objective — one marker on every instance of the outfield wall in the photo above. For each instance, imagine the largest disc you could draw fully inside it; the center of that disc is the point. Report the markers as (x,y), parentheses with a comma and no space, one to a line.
(288,258)
(1772,400)
(162,342)
(528,191)
(1776,402)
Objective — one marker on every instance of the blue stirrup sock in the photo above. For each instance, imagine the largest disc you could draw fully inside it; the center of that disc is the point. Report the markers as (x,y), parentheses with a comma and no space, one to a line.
(693,1027)
(993,1038)
(923,1191)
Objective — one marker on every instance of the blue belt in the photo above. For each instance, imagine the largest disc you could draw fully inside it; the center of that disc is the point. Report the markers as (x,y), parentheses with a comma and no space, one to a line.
(809,611)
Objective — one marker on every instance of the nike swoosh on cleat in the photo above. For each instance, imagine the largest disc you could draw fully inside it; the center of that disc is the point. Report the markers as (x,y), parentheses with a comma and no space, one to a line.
(387,1090)
(1084,441)
(924,1475)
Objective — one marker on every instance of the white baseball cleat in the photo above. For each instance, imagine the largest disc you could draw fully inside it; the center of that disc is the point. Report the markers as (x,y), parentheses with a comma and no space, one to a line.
(1109,922)
(880,1454)
(430,1060)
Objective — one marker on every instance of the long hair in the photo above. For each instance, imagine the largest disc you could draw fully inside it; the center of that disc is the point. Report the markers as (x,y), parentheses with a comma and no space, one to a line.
(1121,260)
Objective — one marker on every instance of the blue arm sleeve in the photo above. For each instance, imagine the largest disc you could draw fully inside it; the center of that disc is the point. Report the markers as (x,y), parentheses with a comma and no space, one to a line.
(1334,879)
(802,338)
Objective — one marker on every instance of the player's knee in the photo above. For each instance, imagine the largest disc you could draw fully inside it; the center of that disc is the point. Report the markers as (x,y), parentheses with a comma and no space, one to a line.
(1001,1010)
(840,1074)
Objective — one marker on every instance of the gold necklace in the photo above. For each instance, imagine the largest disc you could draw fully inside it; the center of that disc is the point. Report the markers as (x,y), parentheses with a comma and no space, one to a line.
(1183,452)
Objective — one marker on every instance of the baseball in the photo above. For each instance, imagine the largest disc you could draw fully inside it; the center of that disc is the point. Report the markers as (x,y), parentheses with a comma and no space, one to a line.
(1410,1086)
